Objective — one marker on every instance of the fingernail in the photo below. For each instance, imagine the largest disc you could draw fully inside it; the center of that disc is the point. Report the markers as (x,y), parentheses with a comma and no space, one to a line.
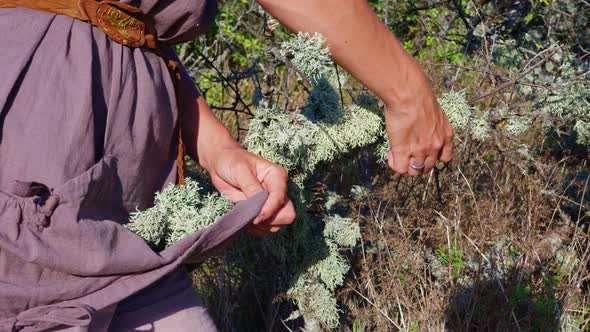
(258,219)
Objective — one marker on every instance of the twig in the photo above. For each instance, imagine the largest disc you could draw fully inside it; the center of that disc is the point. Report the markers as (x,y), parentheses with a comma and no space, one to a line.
(513,81)
(235,90)
(379,309)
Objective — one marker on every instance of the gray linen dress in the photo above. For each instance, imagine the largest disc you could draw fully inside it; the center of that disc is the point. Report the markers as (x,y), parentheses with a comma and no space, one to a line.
(88,135)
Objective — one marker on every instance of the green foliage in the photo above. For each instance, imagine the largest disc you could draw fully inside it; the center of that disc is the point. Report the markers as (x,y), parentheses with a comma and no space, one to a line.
(241,39)
(358,326)
(414,327)
(542,303)
(452,257)
(428,33)
(211,88)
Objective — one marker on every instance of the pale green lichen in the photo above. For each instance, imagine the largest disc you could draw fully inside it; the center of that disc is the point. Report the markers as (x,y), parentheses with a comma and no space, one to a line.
(332,201)
(308,54)
(299,144)
(480,130)
(456,108)
(517,125)
(316,300)
(582,131)
(178,211)
(322,133)
(343,231)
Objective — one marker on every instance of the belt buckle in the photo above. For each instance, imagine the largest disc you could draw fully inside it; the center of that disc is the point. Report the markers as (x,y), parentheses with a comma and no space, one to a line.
(121,22)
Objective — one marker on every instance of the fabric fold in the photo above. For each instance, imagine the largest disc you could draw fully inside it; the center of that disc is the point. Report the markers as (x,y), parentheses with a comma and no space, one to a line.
(77,315)
(87,136)
(100,292)
(75,239)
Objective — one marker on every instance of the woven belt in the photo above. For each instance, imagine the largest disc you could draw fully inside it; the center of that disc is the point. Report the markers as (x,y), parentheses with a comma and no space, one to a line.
(122,23)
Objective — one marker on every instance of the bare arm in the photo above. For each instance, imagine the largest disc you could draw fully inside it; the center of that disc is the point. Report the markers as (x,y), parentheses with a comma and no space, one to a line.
(235,172)
(361,44)
(358,41)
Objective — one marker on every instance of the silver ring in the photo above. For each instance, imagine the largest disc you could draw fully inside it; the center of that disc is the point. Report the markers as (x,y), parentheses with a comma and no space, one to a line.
(418,168)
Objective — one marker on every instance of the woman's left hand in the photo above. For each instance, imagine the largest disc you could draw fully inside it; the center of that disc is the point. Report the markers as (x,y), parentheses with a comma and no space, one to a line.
(235,172)
(239,174)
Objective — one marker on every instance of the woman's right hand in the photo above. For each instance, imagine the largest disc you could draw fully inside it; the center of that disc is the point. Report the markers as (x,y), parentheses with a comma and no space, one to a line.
(419,132)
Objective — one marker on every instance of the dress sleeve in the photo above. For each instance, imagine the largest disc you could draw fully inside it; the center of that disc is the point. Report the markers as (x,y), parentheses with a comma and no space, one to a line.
(178,21)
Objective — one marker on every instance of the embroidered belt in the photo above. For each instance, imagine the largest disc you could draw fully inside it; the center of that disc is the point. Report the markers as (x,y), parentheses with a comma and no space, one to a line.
(122,23)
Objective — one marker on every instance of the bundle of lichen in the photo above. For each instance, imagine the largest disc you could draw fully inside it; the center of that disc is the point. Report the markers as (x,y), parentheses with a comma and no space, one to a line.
(178,211)
(311,249)
(563,106)
(300,144)
(312,255)
(570,100)
(325,131)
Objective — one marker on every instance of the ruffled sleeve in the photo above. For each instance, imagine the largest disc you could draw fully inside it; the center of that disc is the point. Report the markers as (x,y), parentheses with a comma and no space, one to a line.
(178,21)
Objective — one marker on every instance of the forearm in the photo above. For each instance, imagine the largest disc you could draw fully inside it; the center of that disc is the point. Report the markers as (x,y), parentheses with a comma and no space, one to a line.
(204,135)
(359,42)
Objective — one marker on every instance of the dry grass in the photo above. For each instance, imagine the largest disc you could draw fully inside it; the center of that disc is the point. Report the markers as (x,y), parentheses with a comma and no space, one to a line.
(497,240)
(480,245)
(489,250)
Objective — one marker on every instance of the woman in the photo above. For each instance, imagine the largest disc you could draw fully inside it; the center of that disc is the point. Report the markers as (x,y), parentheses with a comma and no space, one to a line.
(90,123)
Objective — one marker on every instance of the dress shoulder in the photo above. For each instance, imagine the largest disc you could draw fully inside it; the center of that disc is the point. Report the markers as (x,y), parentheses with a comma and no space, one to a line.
(179,21)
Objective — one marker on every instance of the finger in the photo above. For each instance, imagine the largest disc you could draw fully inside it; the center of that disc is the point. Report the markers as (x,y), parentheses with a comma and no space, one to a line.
(261,230)
(398,162)
(229,190)
(429,164)
(446,154)
(247,182)
(254,231)
(418,162)
(390,159)
(276,185)
(265,231)
(284,216)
